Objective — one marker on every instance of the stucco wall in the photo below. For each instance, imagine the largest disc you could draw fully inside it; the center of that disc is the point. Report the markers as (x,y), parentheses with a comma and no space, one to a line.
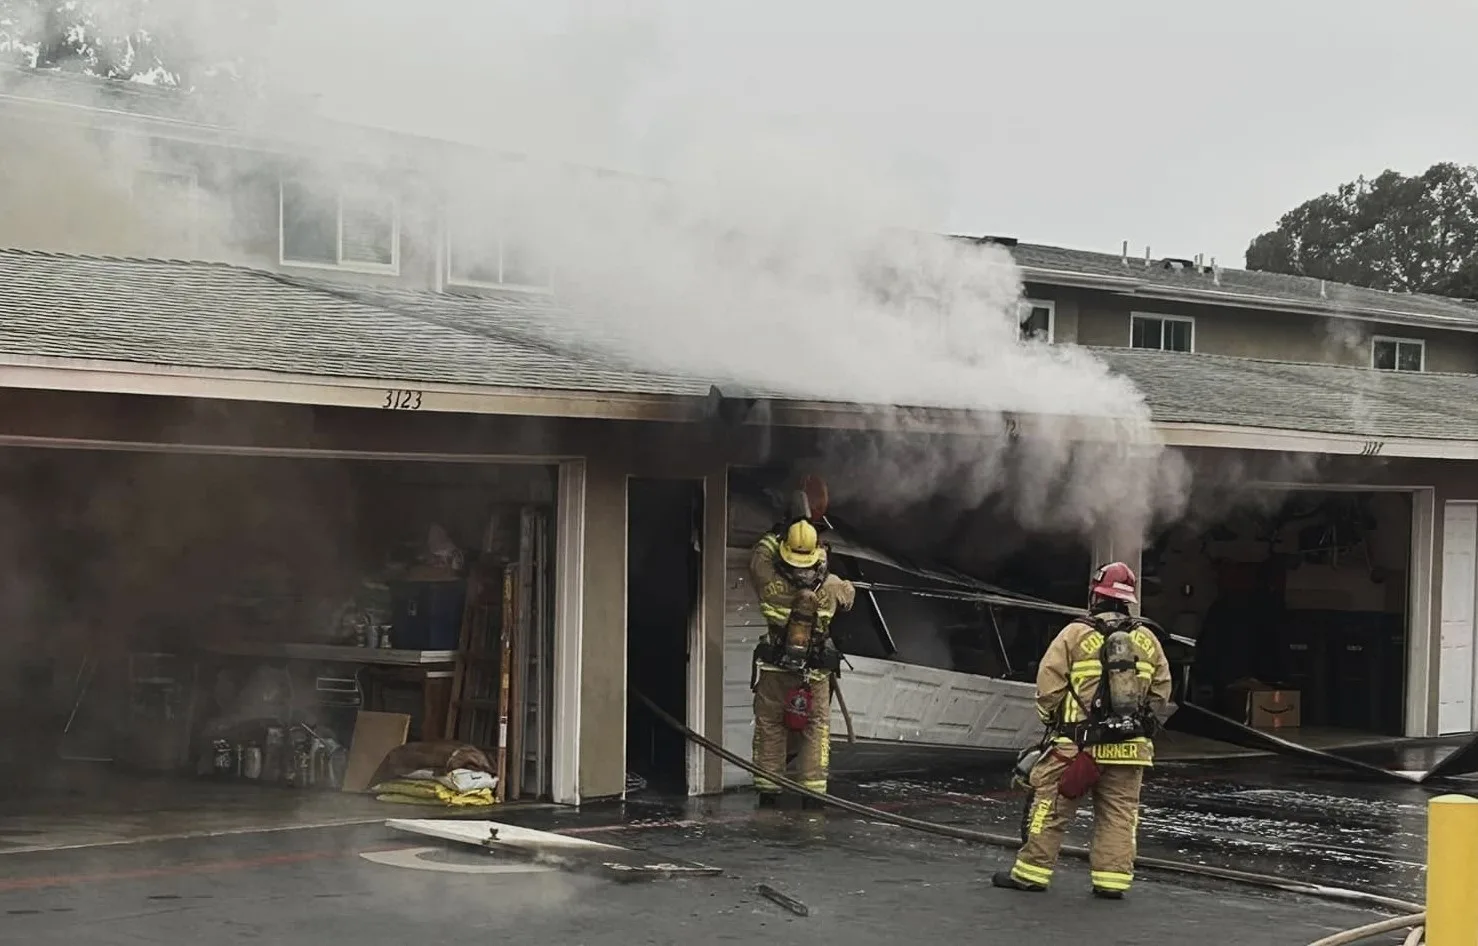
(603,644)
(1249,333)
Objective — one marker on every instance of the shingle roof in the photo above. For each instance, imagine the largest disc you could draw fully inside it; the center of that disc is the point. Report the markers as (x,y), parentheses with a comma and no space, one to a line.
(211,315)
(1041,261)
(217,316)
(1238,285)
(1246,392)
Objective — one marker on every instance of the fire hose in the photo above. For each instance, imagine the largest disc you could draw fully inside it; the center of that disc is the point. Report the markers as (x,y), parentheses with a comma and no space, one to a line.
(1413,914)
(1413,922)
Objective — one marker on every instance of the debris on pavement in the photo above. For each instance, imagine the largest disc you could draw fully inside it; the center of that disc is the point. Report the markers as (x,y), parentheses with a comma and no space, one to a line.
(789,903)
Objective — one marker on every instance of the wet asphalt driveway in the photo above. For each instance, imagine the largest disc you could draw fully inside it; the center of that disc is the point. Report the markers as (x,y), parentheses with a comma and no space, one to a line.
(863,882)
(1261,815)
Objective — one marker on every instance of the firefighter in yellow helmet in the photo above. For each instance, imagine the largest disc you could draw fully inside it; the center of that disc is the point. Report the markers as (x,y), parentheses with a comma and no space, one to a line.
(796,660)
(1103,690)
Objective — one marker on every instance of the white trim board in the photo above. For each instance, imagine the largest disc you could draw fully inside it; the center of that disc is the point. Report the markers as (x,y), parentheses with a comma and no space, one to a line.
(56,374)
(1422,629)
(697,698)
(480,833)
(569,623)
(1228,437)
(286,453)
(60,374)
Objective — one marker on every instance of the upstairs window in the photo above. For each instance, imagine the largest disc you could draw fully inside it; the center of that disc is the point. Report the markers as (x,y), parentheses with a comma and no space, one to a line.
(484,255)
(339,227)
(1398,354)
(1162,332)
(1037,320)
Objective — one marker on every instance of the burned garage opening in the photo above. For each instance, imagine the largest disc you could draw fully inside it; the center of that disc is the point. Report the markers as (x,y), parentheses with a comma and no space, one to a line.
(277,625)
(953,611)
(1299,605)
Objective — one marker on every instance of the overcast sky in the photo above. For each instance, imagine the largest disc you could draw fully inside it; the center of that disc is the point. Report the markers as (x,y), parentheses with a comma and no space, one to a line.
(1189,127)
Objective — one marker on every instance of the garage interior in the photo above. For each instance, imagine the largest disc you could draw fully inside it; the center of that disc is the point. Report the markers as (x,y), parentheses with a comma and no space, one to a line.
(197,641)
(927,547)
(1299,604)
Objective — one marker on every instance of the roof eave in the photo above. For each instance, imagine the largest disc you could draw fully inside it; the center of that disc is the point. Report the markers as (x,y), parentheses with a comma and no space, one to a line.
(332,136)
(107,377)
(1129,286)
(59,374)
(1232,437)
(1077,280)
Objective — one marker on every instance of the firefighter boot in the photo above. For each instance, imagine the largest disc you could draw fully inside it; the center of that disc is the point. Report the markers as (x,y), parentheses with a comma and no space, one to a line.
(1003,879)
(812,804)
(1102,894)
(767,800)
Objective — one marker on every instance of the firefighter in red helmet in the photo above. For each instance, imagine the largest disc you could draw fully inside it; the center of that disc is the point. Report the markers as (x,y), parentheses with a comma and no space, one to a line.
(1103,689)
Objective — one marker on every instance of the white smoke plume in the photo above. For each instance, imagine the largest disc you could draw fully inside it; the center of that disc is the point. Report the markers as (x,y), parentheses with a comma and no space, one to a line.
(768,258)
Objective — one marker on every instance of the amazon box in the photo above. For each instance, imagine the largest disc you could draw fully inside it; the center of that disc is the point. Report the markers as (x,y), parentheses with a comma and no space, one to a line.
(1263,706)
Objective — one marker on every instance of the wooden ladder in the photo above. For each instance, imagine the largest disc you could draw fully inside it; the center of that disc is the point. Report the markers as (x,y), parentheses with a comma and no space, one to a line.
(478,710)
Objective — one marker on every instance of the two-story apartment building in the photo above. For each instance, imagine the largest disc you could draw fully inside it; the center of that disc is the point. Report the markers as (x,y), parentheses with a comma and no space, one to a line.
(291,344)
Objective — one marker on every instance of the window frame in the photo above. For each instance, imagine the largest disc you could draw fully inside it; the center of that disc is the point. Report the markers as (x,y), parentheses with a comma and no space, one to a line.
(1028,303)
(449,279)
(354,266)
(1163,318)
(1398,341)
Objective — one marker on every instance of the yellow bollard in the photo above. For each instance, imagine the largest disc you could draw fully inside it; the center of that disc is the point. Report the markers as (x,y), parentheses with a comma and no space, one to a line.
(1452,871)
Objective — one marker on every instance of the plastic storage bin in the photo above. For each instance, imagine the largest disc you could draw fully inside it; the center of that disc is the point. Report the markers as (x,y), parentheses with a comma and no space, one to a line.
(426,615)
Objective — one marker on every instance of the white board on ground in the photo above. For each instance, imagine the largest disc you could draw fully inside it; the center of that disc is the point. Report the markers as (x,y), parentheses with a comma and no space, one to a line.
(415,859)
(480,832)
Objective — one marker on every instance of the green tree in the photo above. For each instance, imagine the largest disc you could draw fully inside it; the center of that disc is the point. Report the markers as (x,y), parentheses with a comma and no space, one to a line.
(175,43)
(1412,234)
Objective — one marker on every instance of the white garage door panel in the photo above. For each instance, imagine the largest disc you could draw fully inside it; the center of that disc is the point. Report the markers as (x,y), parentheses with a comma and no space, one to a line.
(888,700)
(937,707)
(1455,712)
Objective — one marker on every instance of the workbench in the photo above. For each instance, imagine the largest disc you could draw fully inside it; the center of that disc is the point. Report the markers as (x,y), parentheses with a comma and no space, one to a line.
(432,670)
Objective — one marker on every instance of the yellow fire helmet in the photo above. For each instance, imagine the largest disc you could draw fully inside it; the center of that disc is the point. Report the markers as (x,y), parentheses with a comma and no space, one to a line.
(801,547)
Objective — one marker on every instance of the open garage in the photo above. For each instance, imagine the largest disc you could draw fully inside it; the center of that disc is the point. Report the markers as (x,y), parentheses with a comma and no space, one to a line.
(249,632)
(1300,603)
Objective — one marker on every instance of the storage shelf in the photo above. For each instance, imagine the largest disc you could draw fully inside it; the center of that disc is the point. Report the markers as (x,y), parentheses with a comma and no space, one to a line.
(335,653)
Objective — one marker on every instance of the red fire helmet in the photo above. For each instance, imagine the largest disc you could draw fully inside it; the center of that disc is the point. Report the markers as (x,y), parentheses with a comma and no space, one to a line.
(1114,580)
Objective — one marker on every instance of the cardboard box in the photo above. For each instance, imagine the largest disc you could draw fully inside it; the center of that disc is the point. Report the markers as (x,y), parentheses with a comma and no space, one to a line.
(1263,706)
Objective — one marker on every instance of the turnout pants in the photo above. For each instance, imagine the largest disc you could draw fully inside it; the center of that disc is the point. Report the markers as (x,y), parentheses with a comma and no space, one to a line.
(771,736)
(1115,824)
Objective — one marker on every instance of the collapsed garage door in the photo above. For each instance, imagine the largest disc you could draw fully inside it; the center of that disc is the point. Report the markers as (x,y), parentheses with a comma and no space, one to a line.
(1300,605)
(937,663)
(226,617)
